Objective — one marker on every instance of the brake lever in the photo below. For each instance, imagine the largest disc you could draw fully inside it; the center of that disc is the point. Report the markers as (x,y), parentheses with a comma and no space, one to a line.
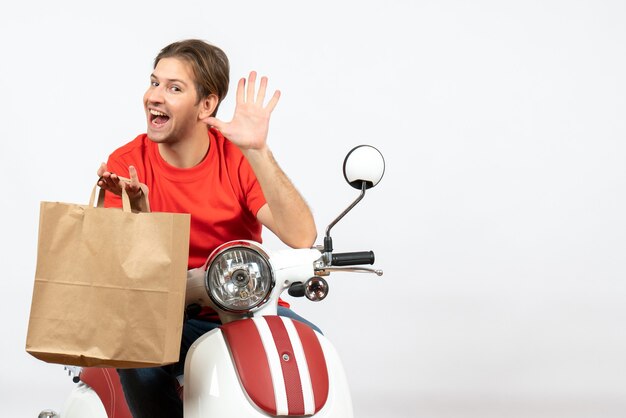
(327,270)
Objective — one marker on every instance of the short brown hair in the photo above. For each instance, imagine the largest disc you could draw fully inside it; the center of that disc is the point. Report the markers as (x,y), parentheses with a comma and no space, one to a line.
(209,65)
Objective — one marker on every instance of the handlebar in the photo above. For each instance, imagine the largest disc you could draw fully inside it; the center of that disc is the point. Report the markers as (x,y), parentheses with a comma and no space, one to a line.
(353,258)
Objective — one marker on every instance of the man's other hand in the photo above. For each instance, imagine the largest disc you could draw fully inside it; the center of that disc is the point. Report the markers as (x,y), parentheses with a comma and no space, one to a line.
(113,183)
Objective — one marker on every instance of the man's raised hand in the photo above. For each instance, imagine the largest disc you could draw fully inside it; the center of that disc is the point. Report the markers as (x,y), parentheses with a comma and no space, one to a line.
(250,124)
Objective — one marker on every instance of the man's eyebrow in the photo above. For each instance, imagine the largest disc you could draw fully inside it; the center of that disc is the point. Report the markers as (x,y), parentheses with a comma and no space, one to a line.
(170,80)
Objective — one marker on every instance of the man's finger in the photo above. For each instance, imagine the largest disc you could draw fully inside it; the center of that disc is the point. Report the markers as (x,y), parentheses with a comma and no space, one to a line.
(214,122)
(134,179)
(261,95)
(102,169)
(105,180)
(114,179)
(251,86)
(240,90)
(273,101)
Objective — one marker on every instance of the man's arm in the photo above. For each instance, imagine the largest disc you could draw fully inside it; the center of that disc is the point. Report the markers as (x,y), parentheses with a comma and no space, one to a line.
(286,213)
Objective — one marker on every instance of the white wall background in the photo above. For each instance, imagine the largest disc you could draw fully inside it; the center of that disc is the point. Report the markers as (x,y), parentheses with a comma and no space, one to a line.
(500,223)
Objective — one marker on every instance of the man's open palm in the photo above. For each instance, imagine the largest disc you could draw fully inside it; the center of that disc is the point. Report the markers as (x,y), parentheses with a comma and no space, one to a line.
(250,124)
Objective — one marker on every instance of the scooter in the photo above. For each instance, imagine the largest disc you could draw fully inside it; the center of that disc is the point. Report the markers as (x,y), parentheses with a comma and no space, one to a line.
(257,364)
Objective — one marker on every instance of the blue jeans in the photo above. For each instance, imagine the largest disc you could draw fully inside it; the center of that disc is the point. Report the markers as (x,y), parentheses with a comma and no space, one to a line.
(151,392)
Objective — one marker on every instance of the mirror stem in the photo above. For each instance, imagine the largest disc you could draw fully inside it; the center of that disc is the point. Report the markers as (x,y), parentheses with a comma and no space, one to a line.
(328,242)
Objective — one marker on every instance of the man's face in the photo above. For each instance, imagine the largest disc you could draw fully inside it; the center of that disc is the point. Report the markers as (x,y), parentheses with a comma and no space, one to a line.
(171,102)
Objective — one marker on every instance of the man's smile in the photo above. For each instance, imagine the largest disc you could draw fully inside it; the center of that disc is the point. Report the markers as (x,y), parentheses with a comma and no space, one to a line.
(158,118)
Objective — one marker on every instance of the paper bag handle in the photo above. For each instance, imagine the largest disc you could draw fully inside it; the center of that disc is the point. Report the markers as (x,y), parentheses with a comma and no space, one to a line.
(144,204)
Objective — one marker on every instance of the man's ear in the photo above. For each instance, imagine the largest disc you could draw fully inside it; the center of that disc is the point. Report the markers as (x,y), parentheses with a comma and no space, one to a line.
(208,106)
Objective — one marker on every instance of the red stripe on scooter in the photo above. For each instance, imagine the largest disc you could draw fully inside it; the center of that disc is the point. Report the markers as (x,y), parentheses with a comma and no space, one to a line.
(250,360)
(291,373)
(316,362)
(106,383)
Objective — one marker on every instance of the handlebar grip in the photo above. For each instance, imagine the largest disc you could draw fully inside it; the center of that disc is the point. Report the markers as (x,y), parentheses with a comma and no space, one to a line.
(351,259)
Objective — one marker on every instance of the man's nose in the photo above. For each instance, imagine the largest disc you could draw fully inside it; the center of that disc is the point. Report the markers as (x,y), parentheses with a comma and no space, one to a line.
(155,95)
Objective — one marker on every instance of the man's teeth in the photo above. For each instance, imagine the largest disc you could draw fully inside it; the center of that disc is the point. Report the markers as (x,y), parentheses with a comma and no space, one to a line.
(156,113)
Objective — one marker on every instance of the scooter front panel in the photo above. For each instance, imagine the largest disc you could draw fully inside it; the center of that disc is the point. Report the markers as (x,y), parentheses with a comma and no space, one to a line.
(214,389)
(280,363)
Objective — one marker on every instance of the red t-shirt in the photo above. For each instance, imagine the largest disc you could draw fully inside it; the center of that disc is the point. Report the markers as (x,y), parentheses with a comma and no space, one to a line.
(221,193)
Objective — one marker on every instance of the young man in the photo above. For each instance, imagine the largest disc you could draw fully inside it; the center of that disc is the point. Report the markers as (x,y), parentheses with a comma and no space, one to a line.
(222,173)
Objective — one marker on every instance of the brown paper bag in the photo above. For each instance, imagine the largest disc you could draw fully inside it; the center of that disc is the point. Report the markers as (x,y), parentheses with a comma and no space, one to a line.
(109,286)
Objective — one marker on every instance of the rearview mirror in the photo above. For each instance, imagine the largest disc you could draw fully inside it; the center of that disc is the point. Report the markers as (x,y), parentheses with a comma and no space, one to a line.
(363,164)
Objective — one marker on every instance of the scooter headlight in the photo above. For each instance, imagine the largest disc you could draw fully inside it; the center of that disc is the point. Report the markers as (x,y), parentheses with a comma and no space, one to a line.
(239,277)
